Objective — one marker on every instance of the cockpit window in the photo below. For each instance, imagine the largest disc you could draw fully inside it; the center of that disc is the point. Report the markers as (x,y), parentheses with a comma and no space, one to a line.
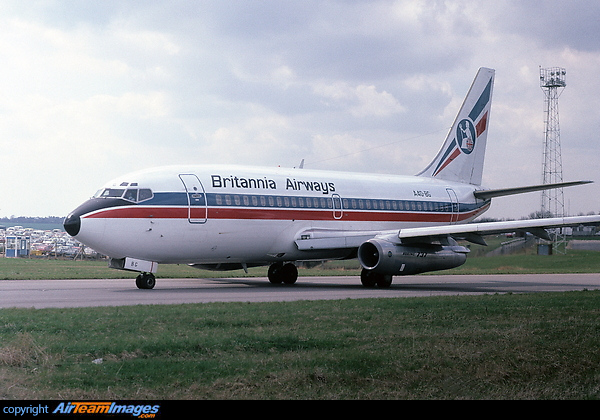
(131,194)
(145,194)
(112,193)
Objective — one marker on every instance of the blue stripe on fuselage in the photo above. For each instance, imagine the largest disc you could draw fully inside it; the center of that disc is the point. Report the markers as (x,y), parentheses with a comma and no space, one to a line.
(299,202)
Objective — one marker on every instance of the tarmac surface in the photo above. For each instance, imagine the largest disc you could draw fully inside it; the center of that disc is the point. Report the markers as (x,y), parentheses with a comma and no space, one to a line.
(101,292)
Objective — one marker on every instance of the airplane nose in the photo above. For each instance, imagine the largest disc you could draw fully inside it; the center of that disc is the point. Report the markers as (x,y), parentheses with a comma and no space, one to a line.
(72,224)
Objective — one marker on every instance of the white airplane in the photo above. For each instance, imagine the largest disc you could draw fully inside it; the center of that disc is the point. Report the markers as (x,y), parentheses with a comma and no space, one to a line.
(230,217)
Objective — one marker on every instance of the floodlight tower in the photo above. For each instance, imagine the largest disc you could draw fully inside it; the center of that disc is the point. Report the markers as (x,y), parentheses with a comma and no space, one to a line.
(553,82)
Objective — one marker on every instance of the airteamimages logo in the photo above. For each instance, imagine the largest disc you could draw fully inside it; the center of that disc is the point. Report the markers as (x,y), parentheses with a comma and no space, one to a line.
(141,411)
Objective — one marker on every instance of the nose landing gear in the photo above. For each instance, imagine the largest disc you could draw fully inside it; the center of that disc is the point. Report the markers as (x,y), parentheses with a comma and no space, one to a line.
(145,281)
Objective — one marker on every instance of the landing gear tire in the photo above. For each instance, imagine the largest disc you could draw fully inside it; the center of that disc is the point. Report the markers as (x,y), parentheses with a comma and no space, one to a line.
(273,273)
(283,273)
(370,279)
(384,281)
(145,281)
(289,273)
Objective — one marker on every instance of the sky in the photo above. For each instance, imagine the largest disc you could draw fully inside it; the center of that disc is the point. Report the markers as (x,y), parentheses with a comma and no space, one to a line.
(91,90)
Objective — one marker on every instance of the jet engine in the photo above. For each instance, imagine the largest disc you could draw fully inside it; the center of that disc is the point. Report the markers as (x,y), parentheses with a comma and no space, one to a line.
(384,257)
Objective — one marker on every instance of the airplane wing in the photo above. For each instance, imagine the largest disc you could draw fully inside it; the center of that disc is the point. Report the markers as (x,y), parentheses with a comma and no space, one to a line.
(318,239)
(475,231)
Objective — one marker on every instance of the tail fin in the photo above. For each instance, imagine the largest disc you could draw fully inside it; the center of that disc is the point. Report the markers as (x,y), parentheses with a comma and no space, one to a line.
(461,156)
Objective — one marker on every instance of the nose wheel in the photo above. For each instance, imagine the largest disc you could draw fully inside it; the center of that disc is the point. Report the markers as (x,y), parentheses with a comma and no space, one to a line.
(145,281)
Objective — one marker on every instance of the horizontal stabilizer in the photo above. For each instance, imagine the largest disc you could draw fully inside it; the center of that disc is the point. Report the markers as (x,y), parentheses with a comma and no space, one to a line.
(487,194)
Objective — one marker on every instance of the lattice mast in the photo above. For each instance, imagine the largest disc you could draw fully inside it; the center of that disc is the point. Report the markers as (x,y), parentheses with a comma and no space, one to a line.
(553,82)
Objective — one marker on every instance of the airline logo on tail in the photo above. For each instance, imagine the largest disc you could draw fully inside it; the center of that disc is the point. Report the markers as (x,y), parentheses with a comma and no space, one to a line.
(467,131)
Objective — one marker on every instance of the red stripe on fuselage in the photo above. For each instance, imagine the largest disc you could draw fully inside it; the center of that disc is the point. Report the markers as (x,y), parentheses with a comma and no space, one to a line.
(237,213)
(140,213)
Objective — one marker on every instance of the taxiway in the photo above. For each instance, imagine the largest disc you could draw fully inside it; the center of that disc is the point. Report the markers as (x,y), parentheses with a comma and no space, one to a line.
(102,292)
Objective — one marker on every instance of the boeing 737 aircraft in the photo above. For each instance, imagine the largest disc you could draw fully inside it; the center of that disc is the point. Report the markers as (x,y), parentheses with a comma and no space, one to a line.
(230,217)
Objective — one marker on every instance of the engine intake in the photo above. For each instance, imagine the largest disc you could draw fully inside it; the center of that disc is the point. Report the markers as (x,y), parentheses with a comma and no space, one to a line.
(385,257)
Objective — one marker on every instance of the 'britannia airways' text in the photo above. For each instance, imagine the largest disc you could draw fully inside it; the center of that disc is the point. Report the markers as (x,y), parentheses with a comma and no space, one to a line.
(265,183)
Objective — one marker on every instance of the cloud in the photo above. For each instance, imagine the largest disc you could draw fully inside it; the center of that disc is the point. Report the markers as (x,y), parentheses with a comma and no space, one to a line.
(361,101)
(92,90)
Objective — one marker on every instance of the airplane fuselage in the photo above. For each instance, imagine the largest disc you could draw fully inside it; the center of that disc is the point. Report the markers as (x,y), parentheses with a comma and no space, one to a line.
(224,216)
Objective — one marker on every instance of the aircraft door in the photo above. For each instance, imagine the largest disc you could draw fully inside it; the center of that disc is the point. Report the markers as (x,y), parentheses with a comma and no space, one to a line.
(453,205)
(337,206)
(196,198)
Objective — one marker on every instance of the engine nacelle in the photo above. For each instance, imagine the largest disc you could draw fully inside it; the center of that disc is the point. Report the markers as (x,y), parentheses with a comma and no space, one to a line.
(400,260)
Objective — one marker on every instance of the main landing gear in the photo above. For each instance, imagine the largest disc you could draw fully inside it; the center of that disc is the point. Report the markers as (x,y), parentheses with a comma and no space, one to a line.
(283,273)
(145,281)
(370,279)
(288,274)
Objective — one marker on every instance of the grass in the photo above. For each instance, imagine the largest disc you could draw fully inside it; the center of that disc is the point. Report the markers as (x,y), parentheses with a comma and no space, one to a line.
(536,346)
(574,261)
(533,346)
(42,269)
